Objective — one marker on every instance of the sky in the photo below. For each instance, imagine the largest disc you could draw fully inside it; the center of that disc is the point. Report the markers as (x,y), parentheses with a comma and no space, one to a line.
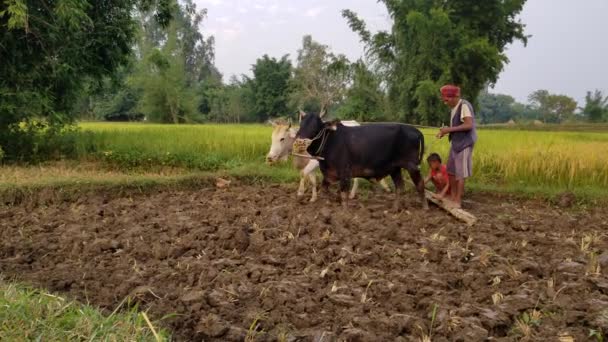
(567,53)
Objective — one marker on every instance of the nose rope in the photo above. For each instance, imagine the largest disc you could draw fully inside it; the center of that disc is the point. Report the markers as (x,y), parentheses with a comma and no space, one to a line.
(321,135)
(323,140)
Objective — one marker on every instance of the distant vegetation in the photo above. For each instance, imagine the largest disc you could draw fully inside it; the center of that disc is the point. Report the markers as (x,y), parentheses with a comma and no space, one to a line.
(511,158)
(151,61)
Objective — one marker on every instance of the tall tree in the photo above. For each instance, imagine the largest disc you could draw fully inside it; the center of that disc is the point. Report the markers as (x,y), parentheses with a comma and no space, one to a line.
(270,87)
(435,42)
(49,49)
(553,108)
(320,75)
(162,80)
(596,106)
(495,108)
(365,100)
(174,63)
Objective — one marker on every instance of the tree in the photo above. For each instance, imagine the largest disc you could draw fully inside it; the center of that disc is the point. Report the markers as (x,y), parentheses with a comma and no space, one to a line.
(49,49)
(596,106)
(436,42)
(553,108)
(495,108)
(365,98)
(270,87)
(320,75)
(174,63)
(162,80)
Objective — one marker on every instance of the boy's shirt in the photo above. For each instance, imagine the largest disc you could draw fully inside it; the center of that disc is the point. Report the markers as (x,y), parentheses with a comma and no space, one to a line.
(440,182)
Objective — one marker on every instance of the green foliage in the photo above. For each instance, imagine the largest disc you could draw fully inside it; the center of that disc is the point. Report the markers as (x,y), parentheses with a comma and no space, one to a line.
(231,103)
(552,108)
(37,141)
(270,87)
(31,315)
(436,42)
(49,51)
(121,106)
(596,106)
(175,61)
(365,100)
(496,108)
(161,79)
(320,76)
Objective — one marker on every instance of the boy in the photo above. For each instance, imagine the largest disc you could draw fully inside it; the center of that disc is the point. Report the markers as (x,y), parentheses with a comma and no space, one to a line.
(439,176)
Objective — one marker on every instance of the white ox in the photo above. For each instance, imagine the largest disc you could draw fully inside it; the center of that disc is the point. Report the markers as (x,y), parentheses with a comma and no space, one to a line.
(283,137)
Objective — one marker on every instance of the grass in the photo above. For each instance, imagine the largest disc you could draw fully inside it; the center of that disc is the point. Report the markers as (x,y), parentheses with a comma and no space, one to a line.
(525,162)
(27,314)
(542,161)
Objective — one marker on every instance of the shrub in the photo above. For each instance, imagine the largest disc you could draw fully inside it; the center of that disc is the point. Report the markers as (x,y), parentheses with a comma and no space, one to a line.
(34,142)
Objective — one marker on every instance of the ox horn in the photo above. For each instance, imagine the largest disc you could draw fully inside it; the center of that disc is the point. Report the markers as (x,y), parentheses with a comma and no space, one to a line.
(323,112)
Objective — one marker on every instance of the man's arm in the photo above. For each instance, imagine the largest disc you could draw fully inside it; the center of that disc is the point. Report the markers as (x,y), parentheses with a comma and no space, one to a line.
(467,125)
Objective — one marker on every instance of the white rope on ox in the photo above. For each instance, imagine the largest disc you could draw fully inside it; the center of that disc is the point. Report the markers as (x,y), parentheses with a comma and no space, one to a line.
(307,142)
(306,156)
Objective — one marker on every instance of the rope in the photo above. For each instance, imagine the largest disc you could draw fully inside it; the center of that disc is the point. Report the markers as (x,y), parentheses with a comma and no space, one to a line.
(323,141)
(417,126)
(307,156)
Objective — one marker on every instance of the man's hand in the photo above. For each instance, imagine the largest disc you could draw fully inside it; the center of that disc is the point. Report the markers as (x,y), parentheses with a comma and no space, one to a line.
(443,131)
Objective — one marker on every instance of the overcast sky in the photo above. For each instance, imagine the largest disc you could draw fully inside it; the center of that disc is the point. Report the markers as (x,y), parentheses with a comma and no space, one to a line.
(567,54)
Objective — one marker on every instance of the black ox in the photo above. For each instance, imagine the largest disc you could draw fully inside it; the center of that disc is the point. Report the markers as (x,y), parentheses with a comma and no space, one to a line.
(371,151)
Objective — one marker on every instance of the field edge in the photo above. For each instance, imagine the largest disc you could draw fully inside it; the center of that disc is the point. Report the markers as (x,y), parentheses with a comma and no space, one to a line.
(32,313)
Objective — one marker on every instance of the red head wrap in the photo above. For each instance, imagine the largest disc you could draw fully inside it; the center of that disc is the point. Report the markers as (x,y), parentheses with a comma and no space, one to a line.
(450,91)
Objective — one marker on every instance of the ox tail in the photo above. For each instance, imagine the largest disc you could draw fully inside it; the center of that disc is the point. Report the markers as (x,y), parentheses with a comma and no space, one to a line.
(420,148)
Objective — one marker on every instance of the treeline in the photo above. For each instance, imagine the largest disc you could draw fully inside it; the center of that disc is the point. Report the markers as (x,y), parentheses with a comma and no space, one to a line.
(431,43)
(148,59)
(160,85)
(542,107)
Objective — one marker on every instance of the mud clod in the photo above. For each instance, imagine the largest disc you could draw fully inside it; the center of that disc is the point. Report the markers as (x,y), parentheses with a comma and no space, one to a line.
(238,262)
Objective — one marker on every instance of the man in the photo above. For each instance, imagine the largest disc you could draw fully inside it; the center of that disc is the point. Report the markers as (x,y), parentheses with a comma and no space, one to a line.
(462,135)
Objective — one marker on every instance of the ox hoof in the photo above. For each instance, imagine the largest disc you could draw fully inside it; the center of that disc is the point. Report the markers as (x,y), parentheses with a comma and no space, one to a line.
(313,200)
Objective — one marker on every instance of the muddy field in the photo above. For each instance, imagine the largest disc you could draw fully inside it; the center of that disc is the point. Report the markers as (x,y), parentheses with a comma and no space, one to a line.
(250,263)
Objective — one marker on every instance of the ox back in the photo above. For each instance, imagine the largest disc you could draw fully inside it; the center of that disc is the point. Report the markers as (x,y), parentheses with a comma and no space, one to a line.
(372,150)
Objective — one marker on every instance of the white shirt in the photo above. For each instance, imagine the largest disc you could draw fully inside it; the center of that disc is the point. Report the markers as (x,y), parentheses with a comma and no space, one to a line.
(464,113)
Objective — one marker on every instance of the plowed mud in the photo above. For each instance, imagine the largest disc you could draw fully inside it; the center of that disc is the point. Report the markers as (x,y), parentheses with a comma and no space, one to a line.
(251,262)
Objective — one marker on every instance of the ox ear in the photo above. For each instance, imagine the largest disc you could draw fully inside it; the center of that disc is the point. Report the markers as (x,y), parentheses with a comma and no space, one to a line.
(332,125)
(292,133)
(271,122)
